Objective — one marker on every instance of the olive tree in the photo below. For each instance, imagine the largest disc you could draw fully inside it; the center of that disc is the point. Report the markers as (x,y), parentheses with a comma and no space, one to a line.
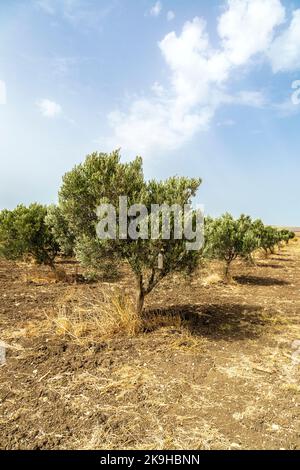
(223,240)
(227,238)
(103,179)
(269,238)
(249,233)
(60,230)
(24,232)
(286,235)
(291,236)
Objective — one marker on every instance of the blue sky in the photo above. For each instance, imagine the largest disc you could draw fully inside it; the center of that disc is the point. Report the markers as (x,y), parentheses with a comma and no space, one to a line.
(200,88)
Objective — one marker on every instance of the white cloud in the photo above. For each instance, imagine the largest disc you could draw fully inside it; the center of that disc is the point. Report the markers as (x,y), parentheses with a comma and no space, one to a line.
(170,15)
(167,119)
(2,92)
(247,27)
(284,53)
(49,108)
(194,65)
(153,126)
(156,9)
(199,76)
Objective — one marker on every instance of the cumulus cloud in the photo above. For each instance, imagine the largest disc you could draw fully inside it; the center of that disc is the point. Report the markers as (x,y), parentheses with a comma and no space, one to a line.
(248,26)
(156,9)
(284,53)
(2,92)
(199,75)
(49,108)
(170,15)
(151,125)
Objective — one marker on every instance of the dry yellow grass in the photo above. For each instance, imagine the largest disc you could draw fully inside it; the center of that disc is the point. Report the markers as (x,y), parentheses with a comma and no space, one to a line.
(85,319)
(212,279)
(91,321)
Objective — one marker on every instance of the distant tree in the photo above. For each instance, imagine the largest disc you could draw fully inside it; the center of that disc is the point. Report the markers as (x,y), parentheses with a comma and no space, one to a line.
(227,239)
(223,240)
(286,235)
(249,234)
(59,228)
(292,236)
(269,239)
(23,233)
(102,178)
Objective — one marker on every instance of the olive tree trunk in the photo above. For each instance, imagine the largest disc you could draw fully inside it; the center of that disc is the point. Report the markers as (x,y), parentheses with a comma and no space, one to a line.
(227,272)
(140,297)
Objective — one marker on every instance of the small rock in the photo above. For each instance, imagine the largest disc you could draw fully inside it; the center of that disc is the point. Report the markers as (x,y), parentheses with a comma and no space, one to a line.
(275,427)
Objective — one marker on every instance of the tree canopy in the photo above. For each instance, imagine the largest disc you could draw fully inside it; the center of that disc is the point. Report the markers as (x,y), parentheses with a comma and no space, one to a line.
(24,232)
(102,178)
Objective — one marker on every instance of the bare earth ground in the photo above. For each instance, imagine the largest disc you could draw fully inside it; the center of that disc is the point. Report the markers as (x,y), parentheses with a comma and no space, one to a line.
(216,366)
